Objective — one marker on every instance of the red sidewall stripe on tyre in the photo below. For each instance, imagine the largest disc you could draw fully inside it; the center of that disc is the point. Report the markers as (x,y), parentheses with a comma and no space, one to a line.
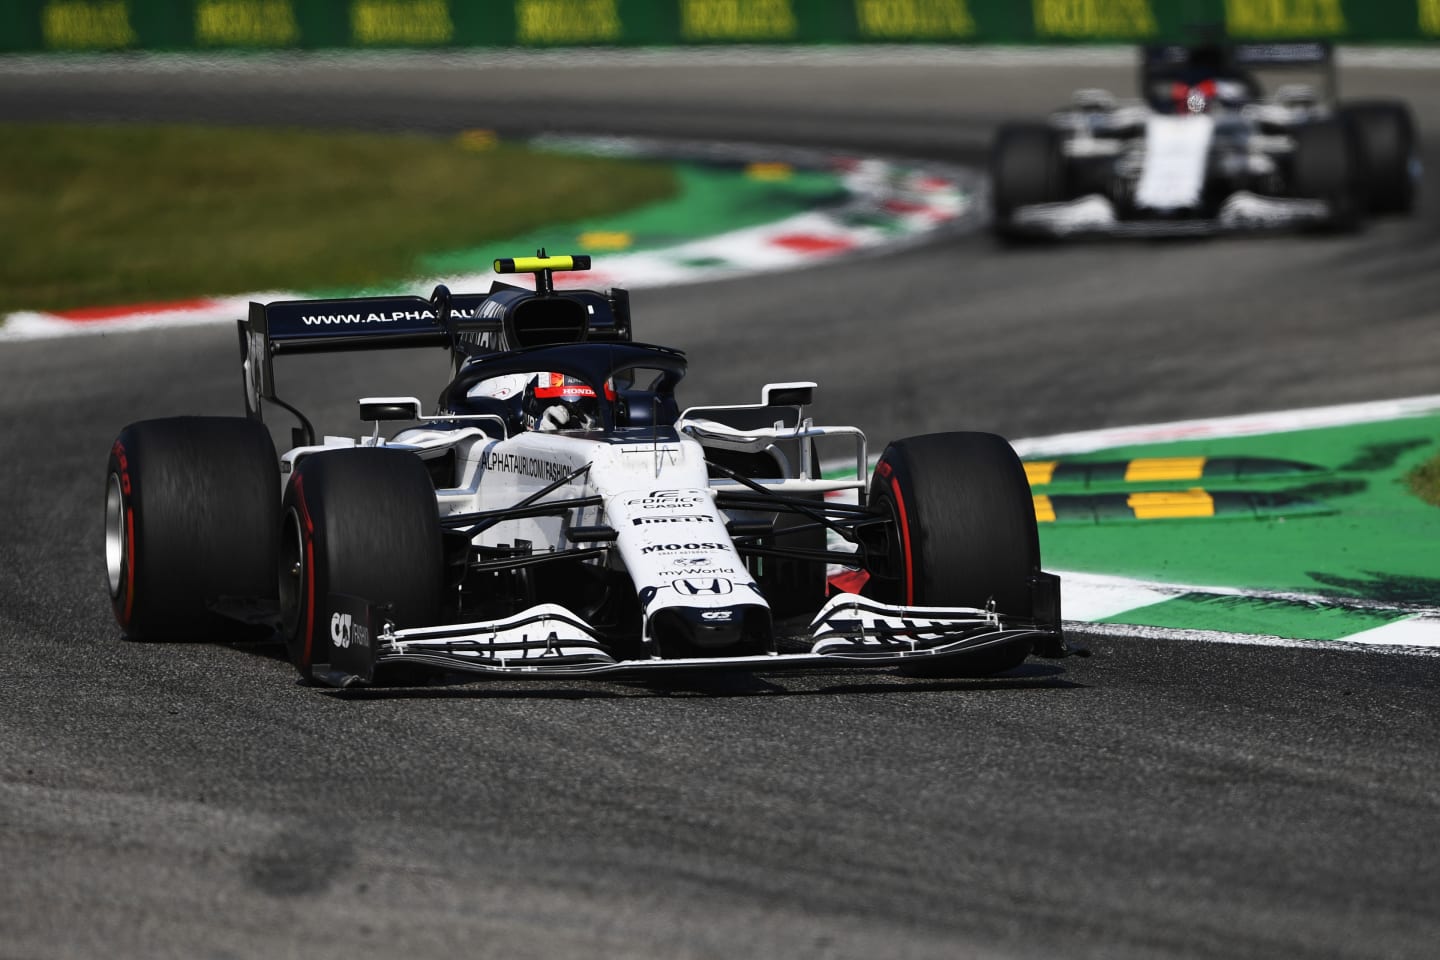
(118,451)
(308,536)
(129,565)
(904,539)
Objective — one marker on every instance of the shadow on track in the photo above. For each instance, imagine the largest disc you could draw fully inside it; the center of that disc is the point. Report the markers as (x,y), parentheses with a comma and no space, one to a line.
(709,686)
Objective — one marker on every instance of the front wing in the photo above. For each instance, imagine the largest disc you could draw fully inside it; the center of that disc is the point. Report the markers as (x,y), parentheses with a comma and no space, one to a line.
(549,641)
(1094,215)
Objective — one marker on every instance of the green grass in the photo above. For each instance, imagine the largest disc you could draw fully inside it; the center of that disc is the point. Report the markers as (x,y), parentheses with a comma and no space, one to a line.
(103,215)
(1424,481)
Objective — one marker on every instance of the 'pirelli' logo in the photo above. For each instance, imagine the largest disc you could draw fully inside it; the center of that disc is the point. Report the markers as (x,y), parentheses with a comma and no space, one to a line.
(672,518)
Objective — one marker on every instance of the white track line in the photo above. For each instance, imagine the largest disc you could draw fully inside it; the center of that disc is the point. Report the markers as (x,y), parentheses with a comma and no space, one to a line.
(1083,631)
(1280,421)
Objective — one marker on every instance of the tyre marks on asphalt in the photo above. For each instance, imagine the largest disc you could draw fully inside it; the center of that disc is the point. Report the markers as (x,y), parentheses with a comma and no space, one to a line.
(300,859)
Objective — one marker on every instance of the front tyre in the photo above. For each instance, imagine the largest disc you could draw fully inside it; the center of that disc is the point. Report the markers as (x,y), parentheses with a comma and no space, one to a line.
(363,523)
(191,510)
(1326,166)
(963,533)
(1388,154)
(1026,168)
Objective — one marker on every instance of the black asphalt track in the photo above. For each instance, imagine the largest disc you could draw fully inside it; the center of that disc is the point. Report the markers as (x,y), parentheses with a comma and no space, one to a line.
(1158,799)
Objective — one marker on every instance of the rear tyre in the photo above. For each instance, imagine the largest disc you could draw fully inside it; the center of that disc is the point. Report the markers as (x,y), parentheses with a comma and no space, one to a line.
(362,523)
(1326,166)
(964,534)
(191,510)
(1384,134)
(1026,168)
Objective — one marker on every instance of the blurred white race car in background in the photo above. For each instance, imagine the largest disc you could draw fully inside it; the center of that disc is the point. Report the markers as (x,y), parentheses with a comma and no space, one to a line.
(1206,150)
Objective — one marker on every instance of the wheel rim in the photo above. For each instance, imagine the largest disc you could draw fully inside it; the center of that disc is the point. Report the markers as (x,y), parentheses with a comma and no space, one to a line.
(114,534)
(292,574)
(891,584)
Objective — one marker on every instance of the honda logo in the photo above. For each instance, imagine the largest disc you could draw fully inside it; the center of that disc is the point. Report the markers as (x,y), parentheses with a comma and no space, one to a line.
(716,587)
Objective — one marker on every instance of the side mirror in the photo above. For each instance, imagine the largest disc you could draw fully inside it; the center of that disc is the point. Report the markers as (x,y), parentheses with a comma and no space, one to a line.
(798,394)
(380,409)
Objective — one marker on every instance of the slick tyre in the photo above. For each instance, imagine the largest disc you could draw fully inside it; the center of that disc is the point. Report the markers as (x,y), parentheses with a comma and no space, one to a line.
(1026,167)
(191,513)
(1326,166)
(964,533)
(362,523)
(1386,148)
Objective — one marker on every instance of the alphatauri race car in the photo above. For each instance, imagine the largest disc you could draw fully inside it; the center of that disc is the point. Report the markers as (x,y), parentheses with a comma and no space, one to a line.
(1205,151)
(556,514)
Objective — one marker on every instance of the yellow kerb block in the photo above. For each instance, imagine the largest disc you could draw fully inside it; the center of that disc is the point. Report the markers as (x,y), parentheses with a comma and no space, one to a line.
(1155,469)
(1039,472)
(1044,509)
(769,171)
(605,240)
(477,139)
(1172,504)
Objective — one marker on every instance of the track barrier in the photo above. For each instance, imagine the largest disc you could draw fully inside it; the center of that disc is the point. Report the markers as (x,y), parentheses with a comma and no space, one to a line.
(199,25)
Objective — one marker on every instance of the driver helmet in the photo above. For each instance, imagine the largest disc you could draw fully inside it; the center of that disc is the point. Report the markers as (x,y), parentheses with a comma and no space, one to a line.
(1208,78)
(1205,95)
(556,402)
(1180,97)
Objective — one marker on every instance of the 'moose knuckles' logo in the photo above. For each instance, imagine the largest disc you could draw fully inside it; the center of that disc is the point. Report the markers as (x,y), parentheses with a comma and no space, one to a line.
(677,547)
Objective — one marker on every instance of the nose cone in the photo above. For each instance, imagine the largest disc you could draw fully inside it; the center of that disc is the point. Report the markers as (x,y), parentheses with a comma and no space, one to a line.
(733,631)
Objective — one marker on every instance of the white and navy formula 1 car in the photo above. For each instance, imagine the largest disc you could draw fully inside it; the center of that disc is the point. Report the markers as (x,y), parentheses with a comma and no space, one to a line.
(557,514)
(1207,151)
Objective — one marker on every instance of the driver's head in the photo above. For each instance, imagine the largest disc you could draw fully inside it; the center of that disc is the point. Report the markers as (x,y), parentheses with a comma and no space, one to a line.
(1206,79)
(1202,97)
(554,402)
(1195,97)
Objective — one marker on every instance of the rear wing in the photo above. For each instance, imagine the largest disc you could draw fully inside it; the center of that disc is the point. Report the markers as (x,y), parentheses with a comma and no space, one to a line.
(1230,57)
(466,324)
(361,323)
(342,325)
(1291,54)
(1307,54)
